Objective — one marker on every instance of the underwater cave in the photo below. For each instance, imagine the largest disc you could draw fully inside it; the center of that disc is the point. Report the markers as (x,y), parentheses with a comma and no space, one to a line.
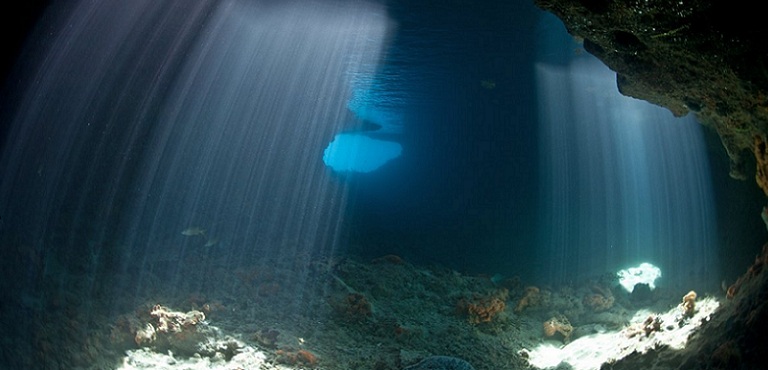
(383,184)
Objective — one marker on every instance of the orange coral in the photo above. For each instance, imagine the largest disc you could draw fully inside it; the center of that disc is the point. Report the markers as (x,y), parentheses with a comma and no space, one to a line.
(306,358)
(300,357)
(531,297)
(689,304)
(600,300)
(485,310)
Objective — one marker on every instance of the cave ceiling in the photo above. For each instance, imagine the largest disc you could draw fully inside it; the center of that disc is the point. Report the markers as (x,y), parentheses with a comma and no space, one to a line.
(708,58)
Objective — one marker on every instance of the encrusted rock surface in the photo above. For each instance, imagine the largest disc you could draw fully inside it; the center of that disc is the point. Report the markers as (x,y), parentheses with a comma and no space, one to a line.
(706,57)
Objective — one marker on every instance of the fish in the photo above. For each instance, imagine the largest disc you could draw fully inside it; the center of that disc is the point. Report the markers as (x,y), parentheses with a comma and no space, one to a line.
(211,242)
(194,231)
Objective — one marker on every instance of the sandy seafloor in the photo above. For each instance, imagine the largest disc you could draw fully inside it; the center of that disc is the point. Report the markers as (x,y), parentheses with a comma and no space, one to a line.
(342,313)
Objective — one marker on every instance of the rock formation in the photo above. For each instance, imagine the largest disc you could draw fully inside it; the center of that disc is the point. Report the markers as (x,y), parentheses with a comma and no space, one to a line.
(705,57)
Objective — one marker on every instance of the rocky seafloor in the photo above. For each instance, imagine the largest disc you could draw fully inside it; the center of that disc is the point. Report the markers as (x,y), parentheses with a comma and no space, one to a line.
(346,313)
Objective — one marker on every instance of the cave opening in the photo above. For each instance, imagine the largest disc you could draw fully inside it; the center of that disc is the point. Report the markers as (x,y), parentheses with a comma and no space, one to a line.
(357,184)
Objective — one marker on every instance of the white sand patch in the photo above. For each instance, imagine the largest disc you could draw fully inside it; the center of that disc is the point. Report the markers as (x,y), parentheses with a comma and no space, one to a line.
(242,356)
(589,352)
(248,358)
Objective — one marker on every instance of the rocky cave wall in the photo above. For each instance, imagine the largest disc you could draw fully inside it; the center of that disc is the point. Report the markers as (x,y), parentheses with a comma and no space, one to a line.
(705,57)
(708,58)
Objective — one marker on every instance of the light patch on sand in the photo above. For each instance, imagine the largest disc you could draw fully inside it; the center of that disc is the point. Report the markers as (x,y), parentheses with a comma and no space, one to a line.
(589,352)
(247,358)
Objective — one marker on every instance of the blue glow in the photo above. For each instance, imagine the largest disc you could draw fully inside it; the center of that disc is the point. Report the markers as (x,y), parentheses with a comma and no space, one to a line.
(359,153)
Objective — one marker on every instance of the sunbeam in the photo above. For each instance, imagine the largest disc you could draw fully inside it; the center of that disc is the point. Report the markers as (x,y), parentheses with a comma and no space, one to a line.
(623,182)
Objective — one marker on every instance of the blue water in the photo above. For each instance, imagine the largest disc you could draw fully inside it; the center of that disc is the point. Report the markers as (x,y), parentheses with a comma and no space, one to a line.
(501,148)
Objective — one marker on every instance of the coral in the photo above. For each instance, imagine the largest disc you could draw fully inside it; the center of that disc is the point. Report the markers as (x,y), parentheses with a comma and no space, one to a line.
(558,324)
(167,321)
(598,303)
(599,300)
(651,324)
(441,363)
(226,348)
(354,307)
(164,329)
(267,337)
(689,304)
(531,298)
(301,357)
(306,358)
(483,309)
(145,335)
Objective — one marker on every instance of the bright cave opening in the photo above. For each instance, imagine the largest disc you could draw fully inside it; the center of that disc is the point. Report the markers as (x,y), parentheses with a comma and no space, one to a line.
(359,153)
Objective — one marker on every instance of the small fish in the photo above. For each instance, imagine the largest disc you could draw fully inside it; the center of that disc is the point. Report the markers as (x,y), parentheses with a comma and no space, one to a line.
(211,242)
(194,231)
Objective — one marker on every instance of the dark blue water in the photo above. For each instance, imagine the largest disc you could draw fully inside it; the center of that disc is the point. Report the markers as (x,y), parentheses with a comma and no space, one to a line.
(466,185)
